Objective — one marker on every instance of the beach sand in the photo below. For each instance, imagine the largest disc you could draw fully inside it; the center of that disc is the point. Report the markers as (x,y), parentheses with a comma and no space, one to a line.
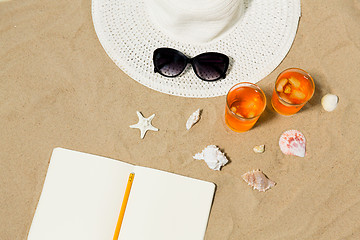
(59,88)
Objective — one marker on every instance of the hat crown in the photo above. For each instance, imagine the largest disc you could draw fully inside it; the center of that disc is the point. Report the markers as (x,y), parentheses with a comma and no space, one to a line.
(195,21)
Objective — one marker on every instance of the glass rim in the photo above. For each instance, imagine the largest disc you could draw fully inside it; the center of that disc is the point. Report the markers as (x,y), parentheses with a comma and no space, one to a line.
(255,87)
(312,83)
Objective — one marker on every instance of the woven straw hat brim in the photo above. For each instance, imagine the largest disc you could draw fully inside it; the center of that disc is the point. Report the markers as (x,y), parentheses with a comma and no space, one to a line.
(256,45)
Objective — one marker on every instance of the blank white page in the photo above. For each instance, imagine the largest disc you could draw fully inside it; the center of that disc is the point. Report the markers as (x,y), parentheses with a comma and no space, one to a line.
(81,197)
(166,206)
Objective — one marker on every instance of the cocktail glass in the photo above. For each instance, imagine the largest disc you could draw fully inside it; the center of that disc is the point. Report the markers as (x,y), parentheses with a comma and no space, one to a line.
(294,87)
(245,102)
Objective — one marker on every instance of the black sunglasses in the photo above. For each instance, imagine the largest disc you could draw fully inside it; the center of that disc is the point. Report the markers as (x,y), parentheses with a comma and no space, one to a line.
(209,66)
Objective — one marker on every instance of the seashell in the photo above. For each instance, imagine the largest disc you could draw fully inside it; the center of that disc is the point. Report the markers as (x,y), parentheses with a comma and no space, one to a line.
(213,157)
(193,119)
(258,180)
(292,142)
(259,149)
(329,102)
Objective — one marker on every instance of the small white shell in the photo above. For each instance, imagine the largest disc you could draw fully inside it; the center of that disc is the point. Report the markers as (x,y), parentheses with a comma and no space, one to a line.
(194,118)
(213,157)
(259,149)
(329,102)
(258,180)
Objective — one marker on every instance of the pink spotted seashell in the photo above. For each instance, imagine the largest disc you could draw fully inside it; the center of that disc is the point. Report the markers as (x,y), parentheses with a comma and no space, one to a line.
(258,180)
(292,142)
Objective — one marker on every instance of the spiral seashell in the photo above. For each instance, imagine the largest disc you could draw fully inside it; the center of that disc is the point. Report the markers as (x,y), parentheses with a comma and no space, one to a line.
(258,180)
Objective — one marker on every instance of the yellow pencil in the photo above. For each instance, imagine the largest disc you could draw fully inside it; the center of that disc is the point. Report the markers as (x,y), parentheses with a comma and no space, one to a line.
(123,206)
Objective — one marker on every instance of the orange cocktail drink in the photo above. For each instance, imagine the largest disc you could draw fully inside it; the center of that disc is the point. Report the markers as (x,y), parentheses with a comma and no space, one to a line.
(293,88)
(244,104)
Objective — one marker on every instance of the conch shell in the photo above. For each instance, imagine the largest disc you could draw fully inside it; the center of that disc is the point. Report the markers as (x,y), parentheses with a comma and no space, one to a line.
(258,180)
(213,157)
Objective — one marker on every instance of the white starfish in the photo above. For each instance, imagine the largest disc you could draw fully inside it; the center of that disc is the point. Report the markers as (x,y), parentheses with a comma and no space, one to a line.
(144,124)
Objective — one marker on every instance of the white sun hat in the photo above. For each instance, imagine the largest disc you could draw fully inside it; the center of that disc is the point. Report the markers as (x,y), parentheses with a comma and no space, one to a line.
(255,34)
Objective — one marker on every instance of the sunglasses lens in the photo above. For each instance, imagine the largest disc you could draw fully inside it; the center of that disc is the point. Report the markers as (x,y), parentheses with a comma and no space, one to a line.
(211,66)
(169,62)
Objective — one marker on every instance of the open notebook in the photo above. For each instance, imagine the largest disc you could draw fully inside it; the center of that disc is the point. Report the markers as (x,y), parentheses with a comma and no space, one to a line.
(82,196)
